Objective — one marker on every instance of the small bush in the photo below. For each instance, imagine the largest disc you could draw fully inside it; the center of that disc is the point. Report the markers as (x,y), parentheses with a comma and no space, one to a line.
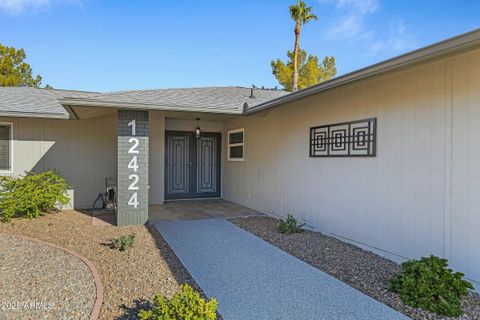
(32,195)
(123,242)
(428,283)
(186,304)
(290,225)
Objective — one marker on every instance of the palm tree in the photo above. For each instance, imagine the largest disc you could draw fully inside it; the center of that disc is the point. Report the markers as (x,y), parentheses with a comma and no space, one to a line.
(301,14)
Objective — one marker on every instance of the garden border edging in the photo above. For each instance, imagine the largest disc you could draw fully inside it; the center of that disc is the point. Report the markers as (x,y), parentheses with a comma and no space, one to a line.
(96,275)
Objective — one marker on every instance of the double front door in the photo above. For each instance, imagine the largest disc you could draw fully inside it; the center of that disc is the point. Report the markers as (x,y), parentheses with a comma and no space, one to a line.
(192,165)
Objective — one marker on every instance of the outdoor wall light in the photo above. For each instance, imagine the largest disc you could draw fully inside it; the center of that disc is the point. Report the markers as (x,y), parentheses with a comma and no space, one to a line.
(197,129)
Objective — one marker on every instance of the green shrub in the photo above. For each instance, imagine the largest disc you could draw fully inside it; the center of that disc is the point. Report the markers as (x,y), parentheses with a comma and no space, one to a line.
(123,242)
(290,225)
(32,195)
(428,283)
(186,304)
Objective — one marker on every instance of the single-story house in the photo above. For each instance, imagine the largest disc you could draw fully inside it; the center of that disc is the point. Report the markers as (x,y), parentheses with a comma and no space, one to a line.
(387,157)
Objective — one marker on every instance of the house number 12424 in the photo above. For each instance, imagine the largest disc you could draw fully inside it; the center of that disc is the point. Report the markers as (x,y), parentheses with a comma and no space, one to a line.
(133,165)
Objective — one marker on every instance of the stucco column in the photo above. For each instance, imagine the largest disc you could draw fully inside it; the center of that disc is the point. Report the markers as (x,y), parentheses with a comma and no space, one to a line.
(156,121)
(132,167)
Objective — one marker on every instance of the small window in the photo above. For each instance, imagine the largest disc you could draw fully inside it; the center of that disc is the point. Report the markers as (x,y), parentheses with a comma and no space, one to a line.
(235,145)
(5,146)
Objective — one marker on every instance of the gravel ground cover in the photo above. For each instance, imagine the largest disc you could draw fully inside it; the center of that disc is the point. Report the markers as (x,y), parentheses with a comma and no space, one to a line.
(360,269)
(130,278)
(42,282)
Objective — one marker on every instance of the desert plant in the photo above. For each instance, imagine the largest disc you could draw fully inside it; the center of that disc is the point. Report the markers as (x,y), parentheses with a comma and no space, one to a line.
(428,283)
(290,225)
(32,195)
(186,304)
(124,242)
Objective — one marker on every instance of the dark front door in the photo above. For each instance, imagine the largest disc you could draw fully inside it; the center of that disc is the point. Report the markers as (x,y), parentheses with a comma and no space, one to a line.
(192,166)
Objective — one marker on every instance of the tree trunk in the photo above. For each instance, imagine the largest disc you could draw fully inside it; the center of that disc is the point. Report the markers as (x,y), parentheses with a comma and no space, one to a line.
(295,58)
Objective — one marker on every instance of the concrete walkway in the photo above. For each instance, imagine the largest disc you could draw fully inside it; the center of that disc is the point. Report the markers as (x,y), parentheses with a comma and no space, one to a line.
(252,279)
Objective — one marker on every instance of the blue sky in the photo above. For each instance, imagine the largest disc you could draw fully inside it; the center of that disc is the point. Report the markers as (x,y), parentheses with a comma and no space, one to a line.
(114,45)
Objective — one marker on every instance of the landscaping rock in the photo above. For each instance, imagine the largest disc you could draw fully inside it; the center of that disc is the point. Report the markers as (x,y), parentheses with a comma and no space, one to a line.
(359,268)
(43,282)
(130,278)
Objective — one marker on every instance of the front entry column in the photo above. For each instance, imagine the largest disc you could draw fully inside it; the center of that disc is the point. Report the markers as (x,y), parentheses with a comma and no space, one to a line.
(132,167)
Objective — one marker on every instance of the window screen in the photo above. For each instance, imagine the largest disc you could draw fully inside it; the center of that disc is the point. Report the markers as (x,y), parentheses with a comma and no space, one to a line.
(236,152)
(236,137)
(235,145)
(5,147)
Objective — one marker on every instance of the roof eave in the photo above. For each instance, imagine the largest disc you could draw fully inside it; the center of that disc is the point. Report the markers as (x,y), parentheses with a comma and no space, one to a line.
(464,41)
(82,102)
(38,115)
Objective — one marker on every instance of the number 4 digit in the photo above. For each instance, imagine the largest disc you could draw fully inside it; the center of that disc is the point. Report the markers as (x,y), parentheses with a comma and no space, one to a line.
(133,200)
(133,164)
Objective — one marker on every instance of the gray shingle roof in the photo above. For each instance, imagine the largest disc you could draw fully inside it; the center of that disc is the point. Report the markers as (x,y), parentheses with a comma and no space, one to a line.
(45,103)
(213,99)
(34,102)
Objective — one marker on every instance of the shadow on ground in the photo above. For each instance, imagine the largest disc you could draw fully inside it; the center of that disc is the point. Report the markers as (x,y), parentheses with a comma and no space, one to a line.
(132,312)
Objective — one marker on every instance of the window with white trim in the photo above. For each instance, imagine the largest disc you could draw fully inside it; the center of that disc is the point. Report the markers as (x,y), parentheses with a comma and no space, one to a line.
(235,145)
(5,146)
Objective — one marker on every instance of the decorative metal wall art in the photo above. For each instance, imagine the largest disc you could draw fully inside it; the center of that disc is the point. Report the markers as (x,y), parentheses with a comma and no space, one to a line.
(347,139)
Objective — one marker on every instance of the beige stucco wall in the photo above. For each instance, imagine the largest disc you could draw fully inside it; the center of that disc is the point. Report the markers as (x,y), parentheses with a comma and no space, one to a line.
(83,151)
(156,157)
(418,196)
(190,125)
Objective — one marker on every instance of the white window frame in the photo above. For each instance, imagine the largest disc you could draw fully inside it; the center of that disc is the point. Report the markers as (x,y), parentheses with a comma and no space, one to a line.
(242,144)
(10,147)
